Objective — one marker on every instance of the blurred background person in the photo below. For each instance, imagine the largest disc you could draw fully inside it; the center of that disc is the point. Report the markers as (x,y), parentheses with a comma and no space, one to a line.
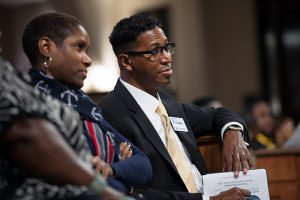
(284,129)
(287,133)
(260,121)
(294,138)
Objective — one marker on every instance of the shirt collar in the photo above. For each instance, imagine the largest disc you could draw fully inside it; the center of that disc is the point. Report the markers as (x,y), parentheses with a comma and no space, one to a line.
(147,102)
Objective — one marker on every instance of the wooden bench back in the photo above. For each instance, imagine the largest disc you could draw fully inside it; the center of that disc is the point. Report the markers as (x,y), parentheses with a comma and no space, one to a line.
(211,150)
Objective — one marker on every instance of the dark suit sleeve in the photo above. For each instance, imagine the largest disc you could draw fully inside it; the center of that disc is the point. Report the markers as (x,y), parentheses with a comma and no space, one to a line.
(134,171)
(204,120)
(210,120)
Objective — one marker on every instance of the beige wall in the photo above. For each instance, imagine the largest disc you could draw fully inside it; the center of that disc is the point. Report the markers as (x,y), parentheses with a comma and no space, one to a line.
(216,52)
(190,59)
(232,50)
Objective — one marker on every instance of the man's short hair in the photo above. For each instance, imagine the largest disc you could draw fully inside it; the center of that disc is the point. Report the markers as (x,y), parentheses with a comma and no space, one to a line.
(126,31)
(55,25)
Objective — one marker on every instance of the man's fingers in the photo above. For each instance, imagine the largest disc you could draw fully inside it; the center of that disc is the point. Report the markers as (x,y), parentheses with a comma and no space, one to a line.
(246,161)
(233,193)
(245,192)
(225,168)
(229,160)
(236,165)
(250,163)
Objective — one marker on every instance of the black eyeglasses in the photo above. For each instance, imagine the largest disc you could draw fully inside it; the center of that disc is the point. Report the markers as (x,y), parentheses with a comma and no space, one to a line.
(169,48)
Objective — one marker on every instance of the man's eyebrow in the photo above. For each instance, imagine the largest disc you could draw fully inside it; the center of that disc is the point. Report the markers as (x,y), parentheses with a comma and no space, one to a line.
(157,44)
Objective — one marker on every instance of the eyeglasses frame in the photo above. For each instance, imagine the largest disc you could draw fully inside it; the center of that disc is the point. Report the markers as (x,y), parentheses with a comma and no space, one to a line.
(136,53)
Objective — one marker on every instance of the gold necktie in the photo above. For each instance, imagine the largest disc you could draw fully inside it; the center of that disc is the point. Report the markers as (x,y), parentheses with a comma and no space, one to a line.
(175,152)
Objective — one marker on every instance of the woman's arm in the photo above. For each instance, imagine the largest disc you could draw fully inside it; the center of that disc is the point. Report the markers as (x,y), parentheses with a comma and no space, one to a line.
(36,145)
(136,170)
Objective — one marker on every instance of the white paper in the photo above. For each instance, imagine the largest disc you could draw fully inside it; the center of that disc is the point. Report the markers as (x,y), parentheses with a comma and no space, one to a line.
(255,181)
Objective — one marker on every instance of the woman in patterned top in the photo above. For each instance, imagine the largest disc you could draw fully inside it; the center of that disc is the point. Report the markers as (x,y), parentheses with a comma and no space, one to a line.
(43,154)
(56,45)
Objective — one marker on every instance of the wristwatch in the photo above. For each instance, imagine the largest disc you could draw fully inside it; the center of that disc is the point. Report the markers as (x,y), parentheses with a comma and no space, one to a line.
(234,127)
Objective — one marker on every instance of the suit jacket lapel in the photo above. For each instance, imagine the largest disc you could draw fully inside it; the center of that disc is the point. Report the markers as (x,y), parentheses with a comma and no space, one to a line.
(142,120)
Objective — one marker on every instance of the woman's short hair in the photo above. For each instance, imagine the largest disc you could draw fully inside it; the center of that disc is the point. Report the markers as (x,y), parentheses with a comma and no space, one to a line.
(55,25)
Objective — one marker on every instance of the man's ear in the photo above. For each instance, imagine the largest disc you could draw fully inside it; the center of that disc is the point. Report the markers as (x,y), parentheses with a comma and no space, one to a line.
(45,45)
(124,62)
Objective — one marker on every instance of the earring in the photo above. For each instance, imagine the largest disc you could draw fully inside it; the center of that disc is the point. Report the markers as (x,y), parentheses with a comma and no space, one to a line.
(47,62)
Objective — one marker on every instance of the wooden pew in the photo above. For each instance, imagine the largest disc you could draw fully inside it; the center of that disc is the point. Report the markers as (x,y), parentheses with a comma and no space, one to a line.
(211,150)
(283,170)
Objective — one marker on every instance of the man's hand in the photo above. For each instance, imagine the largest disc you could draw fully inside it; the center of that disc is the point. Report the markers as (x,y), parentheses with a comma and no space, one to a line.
(232,194)
(125,150)
(101,166)
(235,153)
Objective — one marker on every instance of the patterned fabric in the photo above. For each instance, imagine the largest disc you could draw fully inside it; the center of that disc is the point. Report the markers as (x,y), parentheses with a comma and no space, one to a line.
(96,129)
(18,98)
(101,143)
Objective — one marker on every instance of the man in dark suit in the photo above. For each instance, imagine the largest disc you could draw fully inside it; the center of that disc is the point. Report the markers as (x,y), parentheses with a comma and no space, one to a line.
(144,57)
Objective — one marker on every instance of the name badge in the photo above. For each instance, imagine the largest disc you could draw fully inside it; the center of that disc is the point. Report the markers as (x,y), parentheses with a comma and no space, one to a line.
(178,124)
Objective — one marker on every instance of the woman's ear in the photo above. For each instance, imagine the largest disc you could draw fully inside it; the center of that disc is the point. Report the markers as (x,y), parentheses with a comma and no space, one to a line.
(45,45)
(124,62)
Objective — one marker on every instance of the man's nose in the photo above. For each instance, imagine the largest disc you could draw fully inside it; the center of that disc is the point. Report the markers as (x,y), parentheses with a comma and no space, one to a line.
(167,56)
